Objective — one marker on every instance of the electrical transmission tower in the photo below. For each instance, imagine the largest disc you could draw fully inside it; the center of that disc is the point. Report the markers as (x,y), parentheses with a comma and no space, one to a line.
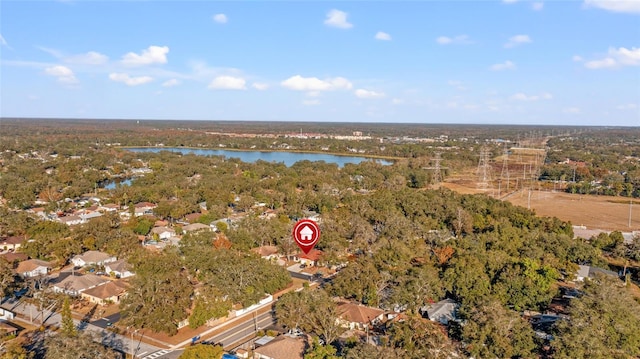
(484,168)
(505,170)
(436,168)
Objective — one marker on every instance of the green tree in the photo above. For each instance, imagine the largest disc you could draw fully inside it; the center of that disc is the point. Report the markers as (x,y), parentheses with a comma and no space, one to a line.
(68,327)
(491,331)
(7,277)
(202,351)
(78,347)
(209,304)
(603,323)
(318,351)
(159,295)
(420,338)
(292,309)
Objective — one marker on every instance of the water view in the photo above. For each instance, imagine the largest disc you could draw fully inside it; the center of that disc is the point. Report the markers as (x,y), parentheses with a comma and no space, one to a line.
(288,158)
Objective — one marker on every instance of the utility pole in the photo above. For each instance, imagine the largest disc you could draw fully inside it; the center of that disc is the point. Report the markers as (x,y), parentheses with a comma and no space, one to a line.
(630,206)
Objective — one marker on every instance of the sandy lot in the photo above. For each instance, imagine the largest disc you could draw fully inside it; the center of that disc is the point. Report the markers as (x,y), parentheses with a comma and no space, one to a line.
(601,212)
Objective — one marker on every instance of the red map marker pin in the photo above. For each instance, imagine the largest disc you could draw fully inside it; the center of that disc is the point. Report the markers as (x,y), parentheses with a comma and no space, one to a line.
(306,234)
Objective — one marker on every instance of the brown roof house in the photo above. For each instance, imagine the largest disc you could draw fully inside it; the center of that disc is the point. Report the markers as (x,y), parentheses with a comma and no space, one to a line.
(356,316)
(74,285)
(33,268)
(282,347)
(92,257)
(119,268)
(104,294)
(11,243)
(312,258)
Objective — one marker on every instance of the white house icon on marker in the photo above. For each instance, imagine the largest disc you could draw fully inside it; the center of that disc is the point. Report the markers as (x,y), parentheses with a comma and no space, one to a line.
(306,233)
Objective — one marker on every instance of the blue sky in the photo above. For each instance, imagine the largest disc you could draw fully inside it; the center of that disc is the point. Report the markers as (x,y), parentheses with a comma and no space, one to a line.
(498,62)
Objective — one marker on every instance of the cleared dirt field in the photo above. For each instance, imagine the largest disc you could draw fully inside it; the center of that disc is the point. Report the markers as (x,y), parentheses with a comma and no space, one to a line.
(601,212)
(594,212)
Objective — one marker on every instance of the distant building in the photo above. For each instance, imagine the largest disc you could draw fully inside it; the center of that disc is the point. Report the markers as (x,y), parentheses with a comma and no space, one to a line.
(356,316)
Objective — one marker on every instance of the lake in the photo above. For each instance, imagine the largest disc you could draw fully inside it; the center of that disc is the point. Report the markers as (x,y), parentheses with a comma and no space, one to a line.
(288,158)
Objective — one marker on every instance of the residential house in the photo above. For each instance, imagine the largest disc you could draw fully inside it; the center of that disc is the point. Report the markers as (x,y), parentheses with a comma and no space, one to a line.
(12,243)
(312,258)
(143,208)
(356,316)
(104,294)
(120,268)
(110,208)
(92,257)
(443,312)
(195,227)
(282,347)
(74,285)
(266,252)
(192,217)
(6,329)
(592,272)
(14,257)
(70,220)
(33,268)
(163,232)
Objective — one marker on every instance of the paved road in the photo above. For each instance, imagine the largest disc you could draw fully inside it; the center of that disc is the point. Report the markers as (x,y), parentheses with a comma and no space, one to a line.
(106,337)
(243,330)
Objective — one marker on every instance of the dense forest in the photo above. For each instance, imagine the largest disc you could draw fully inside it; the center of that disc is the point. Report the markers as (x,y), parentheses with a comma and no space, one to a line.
(402,245)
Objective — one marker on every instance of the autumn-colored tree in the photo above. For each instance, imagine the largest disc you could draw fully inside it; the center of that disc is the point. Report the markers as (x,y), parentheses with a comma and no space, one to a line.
(202,351)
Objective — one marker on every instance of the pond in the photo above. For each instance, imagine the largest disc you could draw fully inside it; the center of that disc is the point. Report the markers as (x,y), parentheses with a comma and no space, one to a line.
(288,158)
(112,184)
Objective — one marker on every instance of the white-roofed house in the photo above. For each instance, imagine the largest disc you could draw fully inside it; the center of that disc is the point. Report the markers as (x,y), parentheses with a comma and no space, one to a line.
(92,257)
(120,268)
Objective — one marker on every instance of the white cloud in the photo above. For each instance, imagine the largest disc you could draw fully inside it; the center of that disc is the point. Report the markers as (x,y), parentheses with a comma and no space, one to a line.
(460,39)
(509,1)
(337,18)
(63,73)
(537,6)
(601,64)
(523,97)
(171,83)
(517,40)
(228,83)
(311,102)
(577,58)
(507,65)
(617,58)
(260,86)
(626,6)
(457,84)
(128,80)
(397,101)
(90,58)
(220,18)
(362,93)
(629,106)
(3,42)
(151,55)
(571,110)
(382,36)
(300,83)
